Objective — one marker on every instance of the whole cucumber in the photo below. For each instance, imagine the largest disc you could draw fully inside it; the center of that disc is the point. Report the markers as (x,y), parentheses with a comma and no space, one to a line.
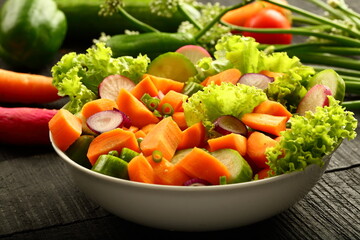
(85,24)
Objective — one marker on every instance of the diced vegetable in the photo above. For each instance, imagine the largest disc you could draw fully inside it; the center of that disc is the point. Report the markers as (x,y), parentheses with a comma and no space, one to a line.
(229,124)
(145,86)
(233,141)
(239,169)
(193,165)
(257,144)
(265,122)
(65,128)
(140,170)
(78,150)
(172,65)
(164,137)
(179,118)
(138,113)
(166,84)
(231,75)
(272,108)
(115,139)
(111,165)
(193,136)
(175,99)
(98,105)
(109,87)
(317,96)
(127,154)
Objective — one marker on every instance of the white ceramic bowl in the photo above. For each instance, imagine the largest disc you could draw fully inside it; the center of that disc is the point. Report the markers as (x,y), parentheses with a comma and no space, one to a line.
(203,208)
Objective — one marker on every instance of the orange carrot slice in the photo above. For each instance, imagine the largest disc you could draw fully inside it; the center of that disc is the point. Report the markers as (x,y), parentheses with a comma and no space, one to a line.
(98,105)
(193,136)
(65,128)
(144,86)
(139,114)
(273,108)
(164,137)
(265,122)
(165,85)
(257,144)
(232,141)
(140,170)
(231,75)
(179,118)
(175,99)
(200,164)
(115,139)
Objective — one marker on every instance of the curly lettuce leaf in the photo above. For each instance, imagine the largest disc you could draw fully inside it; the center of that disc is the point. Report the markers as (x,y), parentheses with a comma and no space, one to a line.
(218,100)
(79,75)
(311,137)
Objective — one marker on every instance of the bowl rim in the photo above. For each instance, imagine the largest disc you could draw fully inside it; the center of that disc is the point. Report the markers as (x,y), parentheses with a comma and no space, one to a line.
(225,187)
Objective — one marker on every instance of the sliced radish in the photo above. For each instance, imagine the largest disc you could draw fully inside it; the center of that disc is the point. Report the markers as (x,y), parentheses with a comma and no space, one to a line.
(230,124)
(110,87)
(107,120)
(193,52)
(256,79)
(317,96)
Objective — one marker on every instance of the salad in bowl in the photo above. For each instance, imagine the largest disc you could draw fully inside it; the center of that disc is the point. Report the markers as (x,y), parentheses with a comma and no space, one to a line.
(238,123)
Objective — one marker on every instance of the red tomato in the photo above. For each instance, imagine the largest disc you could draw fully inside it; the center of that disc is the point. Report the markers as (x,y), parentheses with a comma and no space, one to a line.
(269,18)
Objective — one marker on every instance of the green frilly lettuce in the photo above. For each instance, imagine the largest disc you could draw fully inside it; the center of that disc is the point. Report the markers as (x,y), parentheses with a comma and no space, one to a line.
(218,100)
(79,75)
(243,53)
(311,137)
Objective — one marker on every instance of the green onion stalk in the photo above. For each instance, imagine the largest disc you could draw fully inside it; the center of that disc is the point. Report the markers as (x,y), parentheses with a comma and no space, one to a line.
(332,41)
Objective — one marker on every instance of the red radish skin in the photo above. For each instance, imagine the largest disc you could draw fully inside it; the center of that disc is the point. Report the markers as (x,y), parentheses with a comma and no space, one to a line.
(317,96)
(25,126)
(110,87)
(256,79)
(193,52)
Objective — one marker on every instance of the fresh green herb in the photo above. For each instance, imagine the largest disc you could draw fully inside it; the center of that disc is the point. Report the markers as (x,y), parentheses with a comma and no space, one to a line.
(157,156)
(167,109)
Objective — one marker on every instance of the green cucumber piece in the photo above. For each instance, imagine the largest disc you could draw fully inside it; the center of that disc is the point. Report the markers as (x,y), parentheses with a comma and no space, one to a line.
(192,87)
(78,150)
(239,168)
(127,154)
(112,166)
(180,154)
(172,65)
(330,78)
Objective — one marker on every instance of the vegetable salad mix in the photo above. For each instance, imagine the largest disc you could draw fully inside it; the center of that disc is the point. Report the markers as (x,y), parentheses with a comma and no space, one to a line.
(241,115)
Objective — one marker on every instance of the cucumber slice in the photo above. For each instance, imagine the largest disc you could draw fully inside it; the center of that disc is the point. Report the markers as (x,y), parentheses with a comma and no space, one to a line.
(127,154)
(239,168)
(180,154)
(77,151)
(111,166)
(172,65)
(330,78)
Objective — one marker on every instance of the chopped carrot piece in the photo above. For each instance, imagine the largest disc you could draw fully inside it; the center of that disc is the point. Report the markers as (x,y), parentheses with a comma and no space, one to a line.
(231,75)
(234,141)
(65,128)
(115,139)
(273,108)
(179,118)
(165,85)
(257,144)
(140,170)
(193,136)
(144,86)
(265,122)
(98,105)
(175,99)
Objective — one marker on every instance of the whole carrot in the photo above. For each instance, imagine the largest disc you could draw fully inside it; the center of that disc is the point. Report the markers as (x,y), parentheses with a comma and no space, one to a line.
(25,126)
(16,87)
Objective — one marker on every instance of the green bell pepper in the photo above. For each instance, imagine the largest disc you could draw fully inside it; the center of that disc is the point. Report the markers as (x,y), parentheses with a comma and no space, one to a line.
(31,32)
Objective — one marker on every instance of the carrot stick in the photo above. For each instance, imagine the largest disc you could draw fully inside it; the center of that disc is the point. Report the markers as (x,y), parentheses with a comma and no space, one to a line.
(257,144)
(139,114)
(200,164)
(144,86)
(146,129)
(193,136)
(272,108)
(231,75)
(18,87)
(98,105)
(232,140)
(140,170)
(265,122)
(65,128)
(164,137)
(115,139)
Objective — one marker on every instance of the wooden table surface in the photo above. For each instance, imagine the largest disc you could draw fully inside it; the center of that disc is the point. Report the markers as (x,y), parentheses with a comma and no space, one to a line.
(38,199)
